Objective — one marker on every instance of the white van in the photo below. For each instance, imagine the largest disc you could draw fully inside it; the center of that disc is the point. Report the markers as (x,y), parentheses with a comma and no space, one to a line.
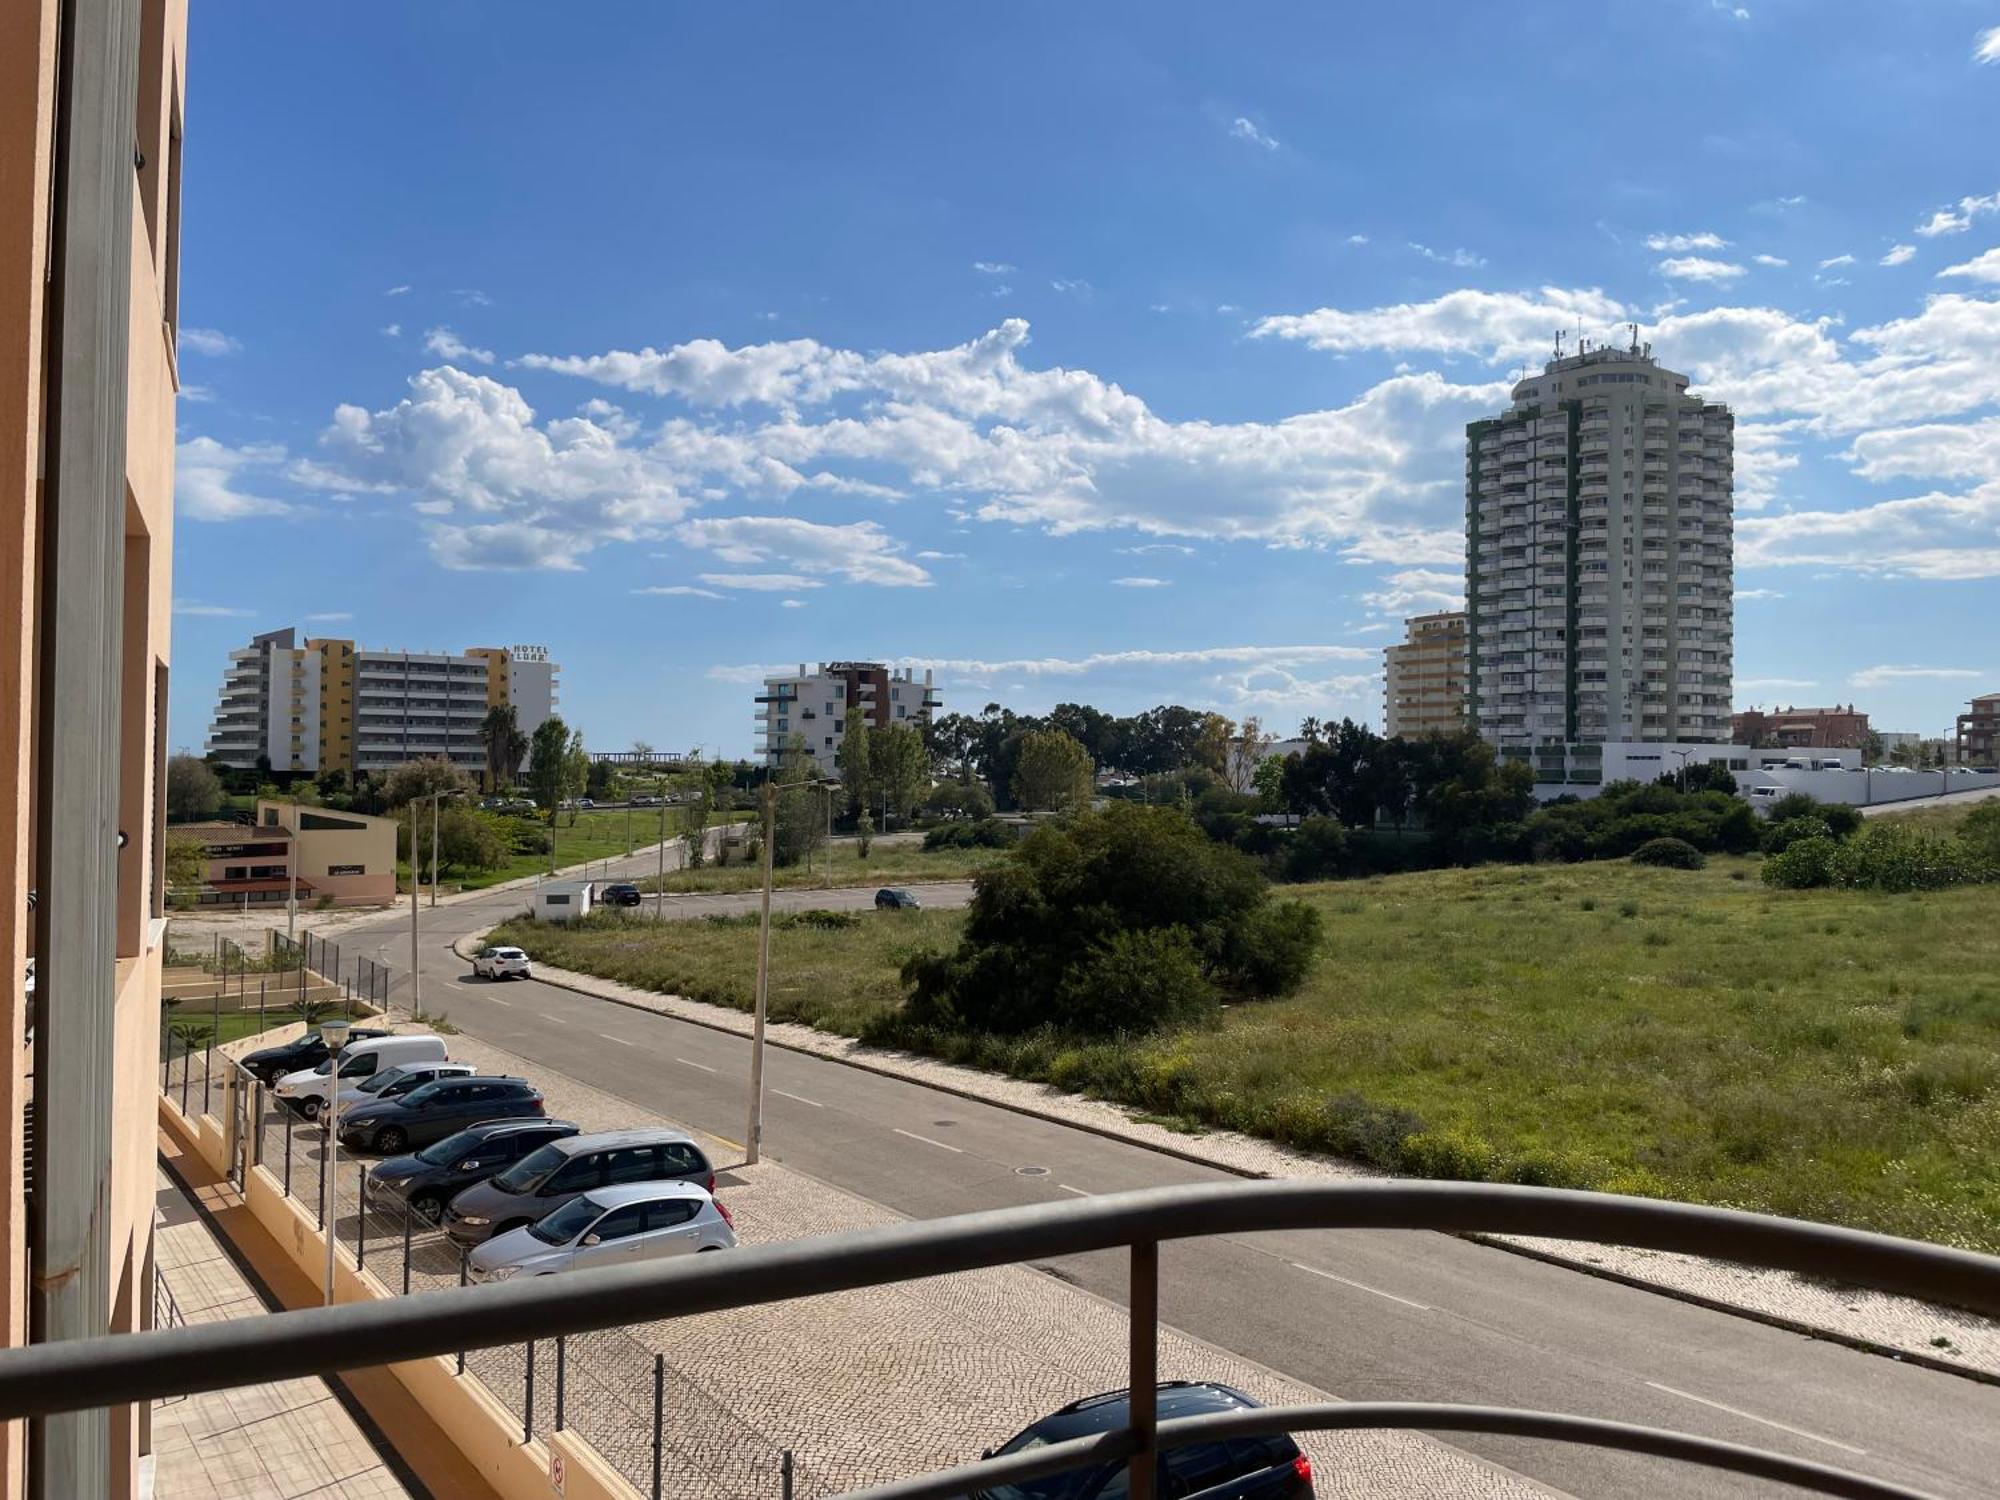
(306,1091)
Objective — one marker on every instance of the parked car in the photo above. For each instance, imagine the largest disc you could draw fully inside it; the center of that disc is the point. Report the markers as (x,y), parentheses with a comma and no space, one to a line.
(585,802)
(527,1191)
(609,1226)
(424,1181)
(895,898)
(393,1083)
(1251,1468)
(501,963)
(440,1108)
(1987,770)
(305,1091)
(269,1064)
(645,801)
(621,893)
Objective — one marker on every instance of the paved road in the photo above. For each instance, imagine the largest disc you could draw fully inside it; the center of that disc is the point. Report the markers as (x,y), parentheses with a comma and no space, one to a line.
(1948,799)
(1367,1315)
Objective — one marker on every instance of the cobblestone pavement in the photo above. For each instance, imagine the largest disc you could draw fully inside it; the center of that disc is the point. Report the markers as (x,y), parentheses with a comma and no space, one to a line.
(1893,1322)
(861,1386)
(257,1442)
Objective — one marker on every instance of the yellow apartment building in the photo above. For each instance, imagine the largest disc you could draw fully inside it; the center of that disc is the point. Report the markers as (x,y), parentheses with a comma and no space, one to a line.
(1424,677)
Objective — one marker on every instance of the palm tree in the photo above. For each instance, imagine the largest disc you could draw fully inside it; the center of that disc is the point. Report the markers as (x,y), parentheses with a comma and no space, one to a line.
(506,746)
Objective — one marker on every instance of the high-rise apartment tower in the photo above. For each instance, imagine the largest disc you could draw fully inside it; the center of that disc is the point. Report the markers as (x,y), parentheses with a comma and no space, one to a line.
(1598,551)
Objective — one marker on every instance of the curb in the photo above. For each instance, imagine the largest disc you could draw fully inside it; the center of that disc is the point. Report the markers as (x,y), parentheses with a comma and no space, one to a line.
(1492,1242)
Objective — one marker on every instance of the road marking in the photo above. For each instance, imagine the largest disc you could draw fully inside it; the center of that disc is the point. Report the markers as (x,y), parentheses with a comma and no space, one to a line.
(955,1150)
(498,1001)
(1359,1287)
(801,1098)
(558,1020)
(1765,1421)
(692,1064)
(618,1039)
(1068,1189)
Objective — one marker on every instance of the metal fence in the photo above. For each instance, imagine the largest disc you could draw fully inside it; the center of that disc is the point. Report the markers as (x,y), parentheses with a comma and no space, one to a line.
(573,1363)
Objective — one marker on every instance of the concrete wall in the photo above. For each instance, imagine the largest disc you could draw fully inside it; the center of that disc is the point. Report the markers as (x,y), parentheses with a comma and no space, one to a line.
(1865,788)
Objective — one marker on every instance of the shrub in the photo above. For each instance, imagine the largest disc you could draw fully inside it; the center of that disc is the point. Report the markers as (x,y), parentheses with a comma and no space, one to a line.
(1842,821)
(1803,866)
(1792,805)
(981,833)
(1273,948)
(1670,853)
(1316,850)
(1135,982)
(1778,837)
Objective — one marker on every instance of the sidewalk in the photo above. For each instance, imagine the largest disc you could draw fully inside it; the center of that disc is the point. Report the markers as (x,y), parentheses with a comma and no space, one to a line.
(284,1440)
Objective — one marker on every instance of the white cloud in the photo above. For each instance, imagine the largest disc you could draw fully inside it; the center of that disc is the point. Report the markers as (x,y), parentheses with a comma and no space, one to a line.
(1772,684)
(396,291)
(447,345)
(1357,239)
(207,341)
(1465,260)
(195,393)
(1244,130)
(1984,267)
(993,268)
(1899,255)
(793,603)
(509,547)
(1681,243)
(861,552)
(329,617)
(208,478)
(1141,583)
(1145,547)
(1770,260)
(1870,677)
(1492,326)
(1760,594)
(1076,286)
(1836,260)
(1958,219)
(1986,49)
(681,590)
(392,330)
(1699,268)
(928,556)
(761,583)
(471,296)
(1102,661)
(1417,591)
(1937,536)
(200,611)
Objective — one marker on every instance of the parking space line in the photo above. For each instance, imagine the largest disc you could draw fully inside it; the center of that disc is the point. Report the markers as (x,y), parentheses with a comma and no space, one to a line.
(955,1150)
(1358,1286)
(618,1039)
(1068,1189)
(692,1064)
(800,1098)
(1733,1411)
(498,1001)
(557,1020)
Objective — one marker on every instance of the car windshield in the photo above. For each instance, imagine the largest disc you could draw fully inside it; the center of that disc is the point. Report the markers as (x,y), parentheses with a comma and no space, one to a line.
(1050,1486)
(567,1222)
(381,1080)
(526,1174)
(443,1153)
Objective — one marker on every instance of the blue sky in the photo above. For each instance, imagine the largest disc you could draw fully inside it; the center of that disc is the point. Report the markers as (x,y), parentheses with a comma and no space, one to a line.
(1116,352)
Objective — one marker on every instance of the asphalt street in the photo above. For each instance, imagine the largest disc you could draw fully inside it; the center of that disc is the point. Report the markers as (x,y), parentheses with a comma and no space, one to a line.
(1366,1315)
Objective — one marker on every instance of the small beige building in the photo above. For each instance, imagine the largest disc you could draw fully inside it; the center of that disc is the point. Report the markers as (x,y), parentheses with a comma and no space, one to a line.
(1424,677)
(347,857)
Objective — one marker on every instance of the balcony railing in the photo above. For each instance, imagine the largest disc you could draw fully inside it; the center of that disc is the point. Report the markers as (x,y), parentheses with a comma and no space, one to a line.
(48,1378)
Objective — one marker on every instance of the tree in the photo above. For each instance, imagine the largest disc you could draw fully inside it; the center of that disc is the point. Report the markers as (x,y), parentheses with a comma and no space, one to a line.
(698,790)
(506,746)
(548,773)
(1052,773)
(600,779)
(1247,751)
(469,840)
(855,763)
(642,751)
(576,771)
(194,791)
(864,834)
(422,778)
(186,858)
(899,767)
(799,824)
(959,799)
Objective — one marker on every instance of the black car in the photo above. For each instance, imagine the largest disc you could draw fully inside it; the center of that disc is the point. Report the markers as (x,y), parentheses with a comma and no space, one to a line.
(269,1064)
(621,894)
(1251,1468)
(426,1180)
(895,898)
(438,1109)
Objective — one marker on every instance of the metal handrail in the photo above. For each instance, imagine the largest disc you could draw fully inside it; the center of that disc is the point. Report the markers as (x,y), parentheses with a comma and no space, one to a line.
(48,1378)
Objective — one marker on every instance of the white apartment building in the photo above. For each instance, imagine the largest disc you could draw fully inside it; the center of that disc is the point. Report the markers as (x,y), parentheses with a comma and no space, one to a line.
(328,705)
(1599,558)
(817,706)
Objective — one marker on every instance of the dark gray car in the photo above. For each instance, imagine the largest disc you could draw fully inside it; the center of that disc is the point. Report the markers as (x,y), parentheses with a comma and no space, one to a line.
(549,1177)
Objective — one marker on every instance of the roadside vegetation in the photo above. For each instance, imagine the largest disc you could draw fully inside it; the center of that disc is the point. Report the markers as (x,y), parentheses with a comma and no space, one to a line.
(1691,1033)
(840,864)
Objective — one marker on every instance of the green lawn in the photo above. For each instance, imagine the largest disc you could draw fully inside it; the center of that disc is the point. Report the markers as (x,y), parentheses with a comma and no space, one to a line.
(1823,1054)
(886,864)
(191,1024)
(596,834)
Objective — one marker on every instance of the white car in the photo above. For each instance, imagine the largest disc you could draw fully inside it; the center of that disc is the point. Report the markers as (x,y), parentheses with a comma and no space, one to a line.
(393,1083)
(501,963)
(609,1226)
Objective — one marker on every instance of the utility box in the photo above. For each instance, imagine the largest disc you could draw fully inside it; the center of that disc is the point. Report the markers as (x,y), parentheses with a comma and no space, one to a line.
(563,900)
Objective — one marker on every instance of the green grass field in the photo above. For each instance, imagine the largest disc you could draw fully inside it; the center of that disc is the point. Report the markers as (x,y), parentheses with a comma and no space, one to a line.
(191,1024)
(1823,1054)
(597,834)
(886,864)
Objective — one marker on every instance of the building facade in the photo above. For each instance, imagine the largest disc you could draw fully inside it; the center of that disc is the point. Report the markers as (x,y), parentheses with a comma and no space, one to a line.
(1801,728)
(1976,741)
(1599,558)
(311,854)
(817,706)
(1424,677)
(326,705)
(91,132)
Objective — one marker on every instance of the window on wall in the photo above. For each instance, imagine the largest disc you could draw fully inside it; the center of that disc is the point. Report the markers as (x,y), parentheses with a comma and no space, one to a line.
(159,819)
(170,288)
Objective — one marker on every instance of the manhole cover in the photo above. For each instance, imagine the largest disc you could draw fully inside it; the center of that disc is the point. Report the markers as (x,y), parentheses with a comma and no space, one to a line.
(1031,1171)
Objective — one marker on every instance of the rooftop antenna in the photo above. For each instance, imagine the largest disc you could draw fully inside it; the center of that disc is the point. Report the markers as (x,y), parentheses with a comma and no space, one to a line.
(1635,336)
(1559,341)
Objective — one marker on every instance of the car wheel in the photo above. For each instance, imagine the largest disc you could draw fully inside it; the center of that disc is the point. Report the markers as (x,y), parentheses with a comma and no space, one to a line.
(391,1141)
(428,1207)
(707,1249)
(311,1106)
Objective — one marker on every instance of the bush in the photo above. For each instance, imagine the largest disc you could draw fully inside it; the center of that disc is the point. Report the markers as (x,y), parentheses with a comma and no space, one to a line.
(1136,982)
(1778,837)
(1317,850)
(1841,820)
(1805,865)
(983,833)
(1793,805)
(1670,853)
(1882,858)
(1274,947)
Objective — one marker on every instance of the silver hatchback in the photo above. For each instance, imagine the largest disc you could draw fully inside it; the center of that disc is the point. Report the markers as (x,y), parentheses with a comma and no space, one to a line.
(609,1226)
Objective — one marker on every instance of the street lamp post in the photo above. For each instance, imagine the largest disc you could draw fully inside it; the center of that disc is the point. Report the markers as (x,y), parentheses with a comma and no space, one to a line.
(332,1031)
(753,1137)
